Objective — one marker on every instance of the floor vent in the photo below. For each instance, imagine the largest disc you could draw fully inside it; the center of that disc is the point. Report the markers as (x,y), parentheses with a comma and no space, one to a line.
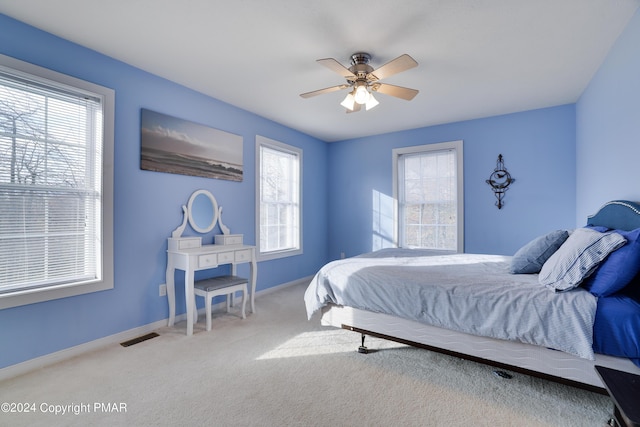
(139,339)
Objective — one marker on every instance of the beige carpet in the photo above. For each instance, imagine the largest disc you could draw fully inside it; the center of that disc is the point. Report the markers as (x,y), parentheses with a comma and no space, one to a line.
(277,369)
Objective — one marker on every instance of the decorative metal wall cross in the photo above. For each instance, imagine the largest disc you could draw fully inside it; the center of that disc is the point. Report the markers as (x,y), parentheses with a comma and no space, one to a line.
(499,180)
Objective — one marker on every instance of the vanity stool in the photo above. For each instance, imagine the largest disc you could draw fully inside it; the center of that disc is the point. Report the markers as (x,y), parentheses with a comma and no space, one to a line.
(221,285)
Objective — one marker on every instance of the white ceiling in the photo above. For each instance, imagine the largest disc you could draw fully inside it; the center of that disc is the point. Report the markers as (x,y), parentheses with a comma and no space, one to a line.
(477,58)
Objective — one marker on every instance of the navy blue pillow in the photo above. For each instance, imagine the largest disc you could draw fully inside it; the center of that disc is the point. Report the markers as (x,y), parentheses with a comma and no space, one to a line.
(531,257)
(618,269)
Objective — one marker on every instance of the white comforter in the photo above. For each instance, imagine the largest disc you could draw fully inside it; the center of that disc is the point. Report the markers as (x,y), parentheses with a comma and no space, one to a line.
(475,294)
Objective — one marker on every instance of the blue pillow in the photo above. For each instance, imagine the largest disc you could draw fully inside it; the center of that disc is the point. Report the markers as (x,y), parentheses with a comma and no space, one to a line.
(530,258)
(618,269)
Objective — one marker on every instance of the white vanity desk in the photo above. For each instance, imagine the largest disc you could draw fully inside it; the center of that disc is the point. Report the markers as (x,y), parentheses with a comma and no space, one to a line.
(190,255)
(201,258)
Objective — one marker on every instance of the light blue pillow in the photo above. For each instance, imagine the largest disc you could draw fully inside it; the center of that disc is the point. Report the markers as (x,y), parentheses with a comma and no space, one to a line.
(577,258)
(619,269)
(531,257)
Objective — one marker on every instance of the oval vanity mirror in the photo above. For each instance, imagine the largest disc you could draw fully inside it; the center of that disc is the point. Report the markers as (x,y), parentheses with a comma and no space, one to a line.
(203,211)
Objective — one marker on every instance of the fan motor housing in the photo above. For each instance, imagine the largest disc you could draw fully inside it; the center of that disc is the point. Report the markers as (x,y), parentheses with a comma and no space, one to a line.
(360,65)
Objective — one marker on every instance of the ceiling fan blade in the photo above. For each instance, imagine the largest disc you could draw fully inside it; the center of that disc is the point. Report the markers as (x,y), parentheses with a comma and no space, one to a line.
(325,90)
(401,63)
(397,91)
(337,67)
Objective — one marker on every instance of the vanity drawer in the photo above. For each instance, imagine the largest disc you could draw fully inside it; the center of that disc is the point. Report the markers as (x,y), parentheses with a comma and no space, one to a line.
(208,260)
(228,239)
(179,243)
(226,257)
(187,243)
(243,255)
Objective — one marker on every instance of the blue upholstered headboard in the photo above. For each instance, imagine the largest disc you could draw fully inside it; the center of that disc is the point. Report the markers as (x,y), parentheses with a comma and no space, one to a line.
(617,214)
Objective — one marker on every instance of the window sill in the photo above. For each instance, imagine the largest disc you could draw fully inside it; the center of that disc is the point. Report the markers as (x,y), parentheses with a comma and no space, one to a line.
(32,296)
(267,256)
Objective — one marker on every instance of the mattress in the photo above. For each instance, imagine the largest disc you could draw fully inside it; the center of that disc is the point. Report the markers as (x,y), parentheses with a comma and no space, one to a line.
(469,293)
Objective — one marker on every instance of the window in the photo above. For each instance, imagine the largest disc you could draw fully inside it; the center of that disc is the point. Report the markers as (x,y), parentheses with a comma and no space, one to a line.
(56,161)
(279,199)
(428,187)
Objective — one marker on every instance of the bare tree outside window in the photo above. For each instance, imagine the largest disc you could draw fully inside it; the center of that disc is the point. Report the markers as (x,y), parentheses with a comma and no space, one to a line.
(31,150)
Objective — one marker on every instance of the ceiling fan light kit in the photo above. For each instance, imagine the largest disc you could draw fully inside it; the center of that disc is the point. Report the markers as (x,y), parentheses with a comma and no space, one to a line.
(363,80)
(349,102)
(371,102)
(362,94)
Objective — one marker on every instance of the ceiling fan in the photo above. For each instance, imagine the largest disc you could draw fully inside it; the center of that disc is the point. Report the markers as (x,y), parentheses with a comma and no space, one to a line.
(362,79)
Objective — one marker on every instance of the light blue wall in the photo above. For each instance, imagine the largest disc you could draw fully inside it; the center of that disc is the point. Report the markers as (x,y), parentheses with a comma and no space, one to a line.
(608,127)
(539,151)
(148,204)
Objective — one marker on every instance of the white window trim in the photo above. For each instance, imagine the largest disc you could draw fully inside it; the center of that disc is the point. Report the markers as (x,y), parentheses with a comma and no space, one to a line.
(31,296)
(451,145)
(263,141)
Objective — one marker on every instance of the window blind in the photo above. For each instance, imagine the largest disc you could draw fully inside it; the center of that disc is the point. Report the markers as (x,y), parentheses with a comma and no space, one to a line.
(50,183)
(428,199)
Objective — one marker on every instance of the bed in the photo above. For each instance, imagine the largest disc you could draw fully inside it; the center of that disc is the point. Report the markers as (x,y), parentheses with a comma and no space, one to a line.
(565,302)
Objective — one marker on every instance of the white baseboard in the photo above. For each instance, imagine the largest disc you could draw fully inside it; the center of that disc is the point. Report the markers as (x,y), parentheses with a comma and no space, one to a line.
(49,359)
(58,356)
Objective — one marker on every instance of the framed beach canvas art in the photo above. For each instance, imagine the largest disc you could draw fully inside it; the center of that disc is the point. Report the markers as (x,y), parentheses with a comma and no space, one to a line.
(172,145)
